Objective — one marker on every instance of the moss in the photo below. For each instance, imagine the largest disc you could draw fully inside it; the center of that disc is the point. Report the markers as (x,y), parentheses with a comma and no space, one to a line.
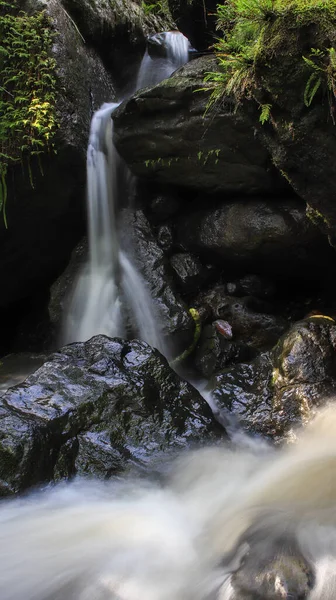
(316,217)
(28,88)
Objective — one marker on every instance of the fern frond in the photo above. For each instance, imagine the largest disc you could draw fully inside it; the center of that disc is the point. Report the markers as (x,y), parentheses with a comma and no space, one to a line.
(311,88)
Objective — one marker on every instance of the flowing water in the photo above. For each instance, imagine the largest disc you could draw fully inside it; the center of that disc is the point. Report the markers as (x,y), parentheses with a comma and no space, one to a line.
(110,296)
(219,510)
(154,69)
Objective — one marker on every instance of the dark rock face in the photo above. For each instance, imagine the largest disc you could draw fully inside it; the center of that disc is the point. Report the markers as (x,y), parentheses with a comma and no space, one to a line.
(301,139)
(250,323)
(60,291)
(281,389)
(96,408)
(189,271)
(163,134)
(214,351)
(196,19)
(176,322)
(264,235)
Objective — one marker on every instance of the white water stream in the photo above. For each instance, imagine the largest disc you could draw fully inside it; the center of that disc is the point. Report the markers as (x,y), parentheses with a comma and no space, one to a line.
(137,540)
(110,296)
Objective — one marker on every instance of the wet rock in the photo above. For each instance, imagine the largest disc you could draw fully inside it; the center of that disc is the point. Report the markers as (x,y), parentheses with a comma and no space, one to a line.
(96,408)
(163,206)
(262,235)
(165,238)
(301,139)
(189,271)
(214,351)
(61,289)
(250,325)
(164,135)
(281,389)
(272,566)
(177,324)
(251,285)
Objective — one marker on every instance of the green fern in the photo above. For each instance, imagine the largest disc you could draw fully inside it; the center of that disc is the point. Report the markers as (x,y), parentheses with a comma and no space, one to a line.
(248,28)
(265,113)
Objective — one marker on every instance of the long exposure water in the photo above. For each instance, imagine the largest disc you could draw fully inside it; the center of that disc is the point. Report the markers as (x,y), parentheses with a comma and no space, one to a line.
(184,538)
(110,295)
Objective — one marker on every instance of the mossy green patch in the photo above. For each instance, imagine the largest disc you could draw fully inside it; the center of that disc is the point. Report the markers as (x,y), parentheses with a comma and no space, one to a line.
(27,90)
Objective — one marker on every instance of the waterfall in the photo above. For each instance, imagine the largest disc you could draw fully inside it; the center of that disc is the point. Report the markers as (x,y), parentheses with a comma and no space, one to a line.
(173,49)
(110,296)
(99,302)
(268,514)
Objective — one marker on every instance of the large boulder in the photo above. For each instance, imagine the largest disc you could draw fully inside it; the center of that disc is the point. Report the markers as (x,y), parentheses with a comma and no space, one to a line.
(283,388)
(96,408)
(165,134)
(264,235)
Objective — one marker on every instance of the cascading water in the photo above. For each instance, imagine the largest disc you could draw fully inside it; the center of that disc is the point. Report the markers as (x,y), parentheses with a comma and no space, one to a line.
(109,279)
(172,52)
(110,295)
(227,524)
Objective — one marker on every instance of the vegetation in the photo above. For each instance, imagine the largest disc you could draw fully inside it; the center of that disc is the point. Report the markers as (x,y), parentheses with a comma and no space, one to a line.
(254,33)
(27,89)
(158,8)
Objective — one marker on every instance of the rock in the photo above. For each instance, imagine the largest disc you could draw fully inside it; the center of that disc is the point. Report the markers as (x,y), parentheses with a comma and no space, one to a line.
(300,138)
(273,566)
(189,271)
(215,352)
(118,31)
(60,291)
(281,389)
(177,324)
(163,206)
(96,408)
(196,19)
(264,235)
(250,325)
(165,238)
(164,134)
(251,285)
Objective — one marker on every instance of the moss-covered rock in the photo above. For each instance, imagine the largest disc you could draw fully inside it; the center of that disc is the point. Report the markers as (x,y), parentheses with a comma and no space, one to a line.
(164,135)
(281,55)
(95,409)
(283,388)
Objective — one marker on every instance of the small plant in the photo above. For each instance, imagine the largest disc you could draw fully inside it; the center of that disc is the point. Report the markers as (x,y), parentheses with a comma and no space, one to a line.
(322,63)
(160,8)
(265,113)
(28,90)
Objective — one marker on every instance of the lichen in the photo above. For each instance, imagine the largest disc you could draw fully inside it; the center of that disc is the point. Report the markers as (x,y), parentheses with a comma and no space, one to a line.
(28,89)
